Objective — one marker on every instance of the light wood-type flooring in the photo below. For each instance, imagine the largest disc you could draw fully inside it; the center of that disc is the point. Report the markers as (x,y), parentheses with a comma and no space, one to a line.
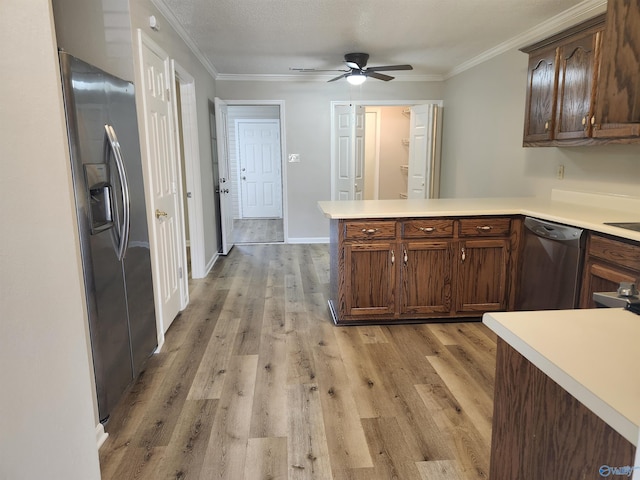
(258,230)
(255,382)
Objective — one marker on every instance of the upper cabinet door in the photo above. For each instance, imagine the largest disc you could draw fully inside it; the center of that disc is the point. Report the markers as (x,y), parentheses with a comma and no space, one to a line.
(618,101)
(577,72)
(540,105)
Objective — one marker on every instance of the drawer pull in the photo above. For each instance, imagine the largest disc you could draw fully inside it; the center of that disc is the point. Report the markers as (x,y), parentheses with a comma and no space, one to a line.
(427,229)
(393,258)
(464,255)
(484,228)
(369,231)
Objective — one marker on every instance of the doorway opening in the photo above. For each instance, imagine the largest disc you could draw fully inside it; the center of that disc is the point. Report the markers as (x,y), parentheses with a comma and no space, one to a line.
(385,150)
(256,172)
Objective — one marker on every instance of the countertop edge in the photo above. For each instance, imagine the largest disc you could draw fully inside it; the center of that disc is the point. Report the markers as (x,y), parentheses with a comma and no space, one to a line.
(599,407)
(586,217)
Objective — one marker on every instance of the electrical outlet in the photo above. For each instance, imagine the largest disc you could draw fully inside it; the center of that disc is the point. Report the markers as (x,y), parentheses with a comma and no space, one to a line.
(294,158)
(560,172)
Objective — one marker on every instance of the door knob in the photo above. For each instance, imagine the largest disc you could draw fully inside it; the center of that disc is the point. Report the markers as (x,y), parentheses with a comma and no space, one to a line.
(160,213)
(244,178)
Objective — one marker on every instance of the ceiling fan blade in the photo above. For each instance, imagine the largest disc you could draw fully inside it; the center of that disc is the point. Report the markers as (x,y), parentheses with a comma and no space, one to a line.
(389,67)
(339,77)
(379,76)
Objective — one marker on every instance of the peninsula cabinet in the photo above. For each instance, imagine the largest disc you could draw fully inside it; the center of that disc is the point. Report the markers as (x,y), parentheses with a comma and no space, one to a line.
(483,269)
(608,262)
(404,270)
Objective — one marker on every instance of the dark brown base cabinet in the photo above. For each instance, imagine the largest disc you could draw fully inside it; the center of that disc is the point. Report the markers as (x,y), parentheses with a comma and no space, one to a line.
(540,431)
(608,262)
(418,269)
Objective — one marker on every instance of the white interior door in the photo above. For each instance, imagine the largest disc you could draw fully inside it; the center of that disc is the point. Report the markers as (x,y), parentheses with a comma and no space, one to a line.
(348,154)
(260,168)
(424,166)
(226,209)
(160,156)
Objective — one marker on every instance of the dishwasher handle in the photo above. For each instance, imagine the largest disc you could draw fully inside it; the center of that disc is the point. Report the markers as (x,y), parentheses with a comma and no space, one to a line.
(554,231)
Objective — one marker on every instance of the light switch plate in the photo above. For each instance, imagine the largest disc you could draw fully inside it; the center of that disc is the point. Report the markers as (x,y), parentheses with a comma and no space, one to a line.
(294,158)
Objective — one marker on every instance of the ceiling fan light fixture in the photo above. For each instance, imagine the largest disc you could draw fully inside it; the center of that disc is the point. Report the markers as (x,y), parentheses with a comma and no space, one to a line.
(356,78)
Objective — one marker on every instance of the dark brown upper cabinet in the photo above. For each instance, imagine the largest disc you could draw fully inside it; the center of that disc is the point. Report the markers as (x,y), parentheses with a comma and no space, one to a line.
(561,86)
(583,84)
(618,100)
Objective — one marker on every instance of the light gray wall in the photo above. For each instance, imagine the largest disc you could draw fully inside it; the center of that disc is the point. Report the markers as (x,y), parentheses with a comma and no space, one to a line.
(46,408)
(307,117)
(482,153)
(97,32)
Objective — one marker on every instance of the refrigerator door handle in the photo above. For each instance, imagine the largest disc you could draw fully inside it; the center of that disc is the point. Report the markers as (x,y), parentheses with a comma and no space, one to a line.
(122,173)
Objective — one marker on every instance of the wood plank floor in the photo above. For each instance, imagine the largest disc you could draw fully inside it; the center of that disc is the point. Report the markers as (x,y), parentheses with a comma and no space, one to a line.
(255,382)
(258,230)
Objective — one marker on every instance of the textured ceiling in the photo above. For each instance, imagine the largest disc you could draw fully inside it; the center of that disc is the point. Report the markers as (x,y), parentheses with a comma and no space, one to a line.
(267,37)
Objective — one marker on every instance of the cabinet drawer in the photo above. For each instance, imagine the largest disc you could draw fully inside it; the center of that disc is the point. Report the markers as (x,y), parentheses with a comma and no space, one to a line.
(427,228)
(484,227)
(369,230)
(620,253)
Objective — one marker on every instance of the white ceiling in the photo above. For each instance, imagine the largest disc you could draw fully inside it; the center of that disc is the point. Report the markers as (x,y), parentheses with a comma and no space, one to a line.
(262,39)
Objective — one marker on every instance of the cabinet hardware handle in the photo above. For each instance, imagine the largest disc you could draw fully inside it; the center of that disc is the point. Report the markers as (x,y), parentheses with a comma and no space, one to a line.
(593,120)
(393,258)
(484,228)
(464,254)
(406,257)
(160,213)
(584,121)
(369,231)
(426,229)
(546,126)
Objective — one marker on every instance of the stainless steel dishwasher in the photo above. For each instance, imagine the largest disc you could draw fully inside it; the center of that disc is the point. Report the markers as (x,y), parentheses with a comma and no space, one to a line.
(550,267)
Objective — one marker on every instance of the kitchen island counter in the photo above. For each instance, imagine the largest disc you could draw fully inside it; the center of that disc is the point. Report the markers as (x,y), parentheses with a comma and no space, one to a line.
(593,354)
(567,396)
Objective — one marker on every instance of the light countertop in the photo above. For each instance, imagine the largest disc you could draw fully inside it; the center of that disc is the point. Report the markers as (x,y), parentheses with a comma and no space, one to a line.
(583,210)
(593,354)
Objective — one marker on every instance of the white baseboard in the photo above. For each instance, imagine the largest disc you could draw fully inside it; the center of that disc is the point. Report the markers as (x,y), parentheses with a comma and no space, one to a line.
(101,435)
(210,264)
(308,240)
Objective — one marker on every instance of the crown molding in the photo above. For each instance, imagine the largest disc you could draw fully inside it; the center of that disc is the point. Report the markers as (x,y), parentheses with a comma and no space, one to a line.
(182,33)
(578,13)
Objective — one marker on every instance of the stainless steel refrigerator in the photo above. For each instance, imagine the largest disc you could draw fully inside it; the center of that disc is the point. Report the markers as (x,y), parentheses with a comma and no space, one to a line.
(112,225)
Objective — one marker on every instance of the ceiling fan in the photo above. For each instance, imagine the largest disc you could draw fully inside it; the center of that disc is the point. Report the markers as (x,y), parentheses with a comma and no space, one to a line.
(358,70)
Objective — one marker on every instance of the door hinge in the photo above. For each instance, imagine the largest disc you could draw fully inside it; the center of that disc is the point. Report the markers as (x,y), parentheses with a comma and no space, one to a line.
(179,272)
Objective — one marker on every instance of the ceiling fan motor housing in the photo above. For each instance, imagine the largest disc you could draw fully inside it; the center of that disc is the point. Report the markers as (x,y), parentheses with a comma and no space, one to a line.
(359,59)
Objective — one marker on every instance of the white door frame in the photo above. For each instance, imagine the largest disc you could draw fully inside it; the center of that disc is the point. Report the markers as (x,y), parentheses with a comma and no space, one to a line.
(283,143)
(191,174)
(365,103)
